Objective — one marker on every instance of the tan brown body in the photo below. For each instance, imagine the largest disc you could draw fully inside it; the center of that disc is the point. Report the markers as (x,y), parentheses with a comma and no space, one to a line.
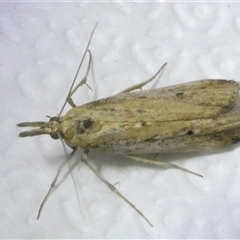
(193,116)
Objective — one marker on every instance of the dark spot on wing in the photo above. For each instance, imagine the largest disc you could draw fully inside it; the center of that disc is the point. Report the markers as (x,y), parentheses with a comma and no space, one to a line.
(190,132)
(81,126)
(87,123)
(179,94)
(140,110)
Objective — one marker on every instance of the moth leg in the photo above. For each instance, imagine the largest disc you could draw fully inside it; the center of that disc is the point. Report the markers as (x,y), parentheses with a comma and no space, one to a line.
(140,85)
(161,163)
(82,82)
(112,187)
(53,183)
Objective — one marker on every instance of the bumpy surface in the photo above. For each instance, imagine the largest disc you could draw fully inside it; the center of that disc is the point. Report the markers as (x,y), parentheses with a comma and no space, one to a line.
(41,46)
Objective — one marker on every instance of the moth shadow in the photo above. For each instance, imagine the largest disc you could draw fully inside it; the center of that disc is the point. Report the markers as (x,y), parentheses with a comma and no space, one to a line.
(100,160)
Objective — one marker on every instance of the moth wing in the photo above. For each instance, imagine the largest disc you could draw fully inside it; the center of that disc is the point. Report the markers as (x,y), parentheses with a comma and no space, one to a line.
(200,99)
(196,108)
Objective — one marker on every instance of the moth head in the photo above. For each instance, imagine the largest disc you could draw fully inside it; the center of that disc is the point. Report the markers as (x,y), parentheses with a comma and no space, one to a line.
(39,128)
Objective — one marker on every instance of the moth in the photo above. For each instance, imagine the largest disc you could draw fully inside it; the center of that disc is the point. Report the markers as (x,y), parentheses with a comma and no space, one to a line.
(195,116)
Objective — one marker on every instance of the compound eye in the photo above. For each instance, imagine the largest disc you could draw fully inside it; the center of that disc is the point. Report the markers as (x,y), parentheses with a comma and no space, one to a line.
(54,135)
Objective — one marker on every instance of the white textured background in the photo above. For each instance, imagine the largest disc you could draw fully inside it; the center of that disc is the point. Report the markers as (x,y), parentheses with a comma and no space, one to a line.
(40,48)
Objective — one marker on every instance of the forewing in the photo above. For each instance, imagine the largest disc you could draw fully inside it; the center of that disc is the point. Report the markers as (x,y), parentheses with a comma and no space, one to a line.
(200,99)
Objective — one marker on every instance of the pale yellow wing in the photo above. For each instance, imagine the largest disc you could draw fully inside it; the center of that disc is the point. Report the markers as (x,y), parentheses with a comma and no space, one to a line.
(194,100)
(196,108)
